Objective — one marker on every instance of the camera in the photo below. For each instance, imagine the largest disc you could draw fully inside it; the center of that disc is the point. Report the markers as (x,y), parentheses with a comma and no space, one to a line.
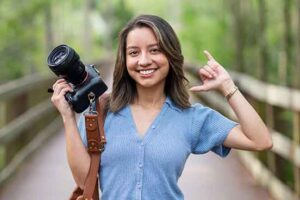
(85,80)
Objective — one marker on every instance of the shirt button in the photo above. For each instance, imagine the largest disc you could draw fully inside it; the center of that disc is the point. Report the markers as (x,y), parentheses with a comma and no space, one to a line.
(140,165)
(142,144)
(153,127)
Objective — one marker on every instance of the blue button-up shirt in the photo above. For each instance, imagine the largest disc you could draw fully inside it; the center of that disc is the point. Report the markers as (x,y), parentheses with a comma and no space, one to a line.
(147,168)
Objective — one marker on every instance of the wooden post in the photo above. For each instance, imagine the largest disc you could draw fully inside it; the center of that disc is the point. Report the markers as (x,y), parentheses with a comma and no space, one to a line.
(2,156)
(282,68)
(296,140)
(2,113)
(270,123)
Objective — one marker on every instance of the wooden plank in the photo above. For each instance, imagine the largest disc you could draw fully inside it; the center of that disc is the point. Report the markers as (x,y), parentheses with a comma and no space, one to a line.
(283,146)
(261,174)
(272,94)
(18,86)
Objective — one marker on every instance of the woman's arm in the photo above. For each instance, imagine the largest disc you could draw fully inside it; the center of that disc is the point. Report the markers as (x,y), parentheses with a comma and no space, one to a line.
(78,158)
(252,133)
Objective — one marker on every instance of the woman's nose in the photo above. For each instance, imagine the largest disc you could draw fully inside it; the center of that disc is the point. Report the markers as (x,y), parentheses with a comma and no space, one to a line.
(145,59)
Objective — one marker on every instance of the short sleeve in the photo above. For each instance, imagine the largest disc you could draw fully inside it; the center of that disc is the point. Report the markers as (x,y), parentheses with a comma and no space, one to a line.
(210,129)
(81,129)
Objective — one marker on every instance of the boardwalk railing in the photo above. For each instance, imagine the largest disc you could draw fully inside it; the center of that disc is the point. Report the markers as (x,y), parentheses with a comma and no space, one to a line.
(27,118)
(278,169)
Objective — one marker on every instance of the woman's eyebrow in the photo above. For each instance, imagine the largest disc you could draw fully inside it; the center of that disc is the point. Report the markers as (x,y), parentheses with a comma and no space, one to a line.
(131,47)
(136,47)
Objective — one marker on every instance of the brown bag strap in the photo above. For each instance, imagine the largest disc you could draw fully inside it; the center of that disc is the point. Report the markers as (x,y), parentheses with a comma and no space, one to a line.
(94,123)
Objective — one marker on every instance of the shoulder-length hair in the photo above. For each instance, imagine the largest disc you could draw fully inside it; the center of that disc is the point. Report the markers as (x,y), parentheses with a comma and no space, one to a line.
(124,87)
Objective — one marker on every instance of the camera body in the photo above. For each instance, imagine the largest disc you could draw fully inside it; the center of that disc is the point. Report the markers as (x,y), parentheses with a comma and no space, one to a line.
(85,80)
(78,99)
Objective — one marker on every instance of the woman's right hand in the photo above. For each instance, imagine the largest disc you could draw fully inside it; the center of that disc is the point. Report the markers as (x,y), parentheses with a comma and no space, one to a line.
(61,87)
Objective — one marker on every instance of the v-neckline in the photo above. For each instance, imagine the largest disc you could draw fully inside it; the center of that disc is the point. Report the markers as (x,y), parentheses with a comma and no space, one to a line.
(154,124)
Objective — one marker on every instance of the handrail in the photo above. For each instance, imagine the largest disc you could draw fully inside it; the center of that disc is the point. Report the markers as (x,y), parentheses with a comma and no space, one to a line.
(15,87)
(275,95)
(26,112)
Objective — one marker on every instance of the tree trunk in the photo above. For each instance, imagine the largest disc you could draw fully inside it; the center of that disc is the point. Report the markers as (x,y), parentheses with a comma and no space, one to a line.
(263,52)
(87,36)
(288,39)
(49,29)
(297,67)
(235,7)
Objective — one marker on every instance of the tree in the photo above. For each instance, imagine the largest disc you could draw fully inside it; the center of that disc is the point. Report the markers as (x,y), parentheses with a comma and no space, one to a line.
(263,52)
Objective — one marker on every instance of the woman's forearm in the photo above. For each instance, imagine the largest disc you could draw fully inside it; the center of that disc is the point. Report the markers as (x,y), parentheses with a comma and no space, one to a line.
(78,157)
(252,125)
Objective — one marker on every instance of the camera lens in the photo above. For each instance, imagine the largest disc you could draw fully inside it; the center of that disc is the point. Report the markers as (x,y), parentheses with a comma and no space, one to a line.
(58,57)
(65,62)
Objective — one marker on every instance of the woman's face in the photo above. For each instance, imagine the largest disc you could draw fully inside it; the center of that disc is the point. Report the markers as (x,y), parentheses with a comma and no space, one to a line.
(146,63)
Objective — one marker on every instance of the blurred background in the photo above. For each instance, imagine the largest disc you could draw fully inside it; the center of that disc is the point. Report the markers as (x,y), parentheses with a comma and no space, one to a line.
(258,41)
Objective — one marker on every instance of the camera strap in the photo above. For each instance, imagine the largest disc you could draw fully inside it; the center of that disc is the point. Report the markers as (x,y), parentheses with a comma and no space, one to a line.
(94,122)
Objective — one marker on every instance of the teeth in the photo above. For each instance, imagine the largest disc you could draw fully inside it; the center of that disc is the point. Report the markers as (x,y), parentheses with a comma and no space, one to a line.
(145,72)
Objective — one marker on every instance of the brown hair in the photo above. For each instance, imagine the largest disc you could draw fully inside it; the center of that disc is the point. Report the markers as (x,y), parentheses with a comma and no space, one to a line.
(124,88)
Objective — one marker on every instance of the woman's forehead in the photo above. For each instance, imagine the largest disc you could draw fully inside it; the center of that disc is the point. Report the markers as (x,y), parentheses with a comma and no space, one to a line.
(141,35)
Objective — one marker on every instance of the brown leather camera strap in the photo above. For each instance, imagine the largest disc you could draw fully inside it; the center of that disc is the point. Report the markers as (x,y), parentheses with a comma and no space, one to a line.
(94,123)
(96,141)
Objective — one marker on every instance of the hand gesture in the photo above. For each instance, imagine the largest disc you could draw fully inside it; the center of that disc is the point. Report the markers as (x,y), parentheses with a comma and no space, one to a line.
(213,76)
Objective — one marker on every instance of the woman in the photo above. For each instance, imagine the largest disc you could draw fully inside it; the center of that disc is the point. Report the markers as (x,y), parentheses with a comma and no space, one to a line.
(151,128)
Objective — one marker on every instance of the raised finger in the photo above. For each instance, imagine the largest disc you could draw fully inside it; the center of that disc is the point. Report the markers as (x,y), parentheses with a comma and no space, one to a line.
(208,55)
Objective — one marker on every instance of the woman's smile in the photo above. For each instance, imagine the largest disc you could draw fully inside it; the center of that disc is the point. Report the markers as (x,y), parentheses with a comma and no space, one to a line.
(146,73)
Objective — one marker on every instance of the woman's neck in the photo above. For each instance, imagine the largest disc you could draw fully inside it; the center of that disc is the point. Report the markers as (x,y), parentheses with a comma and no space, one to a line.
(149,98)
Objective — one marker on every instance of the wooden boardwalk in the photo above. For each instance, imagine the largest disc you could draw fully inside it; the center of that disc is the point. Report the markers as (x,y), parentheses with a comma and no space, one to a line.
(46,176)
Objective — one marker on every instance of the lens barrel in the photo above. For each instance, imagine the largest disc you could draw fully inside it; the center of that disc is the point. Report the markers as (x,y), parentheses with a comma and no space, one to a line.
(65,62)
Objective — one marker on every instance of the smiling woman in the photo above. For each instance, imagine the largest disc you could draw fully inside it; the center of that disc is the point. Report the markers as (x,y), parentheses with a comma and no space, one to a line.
(150,127)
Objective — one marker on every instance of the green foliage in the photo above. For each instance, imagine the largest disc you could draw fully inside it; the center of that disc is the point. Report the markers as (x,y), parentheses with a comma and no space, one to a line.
(116,15)
(18,31)
(205,26)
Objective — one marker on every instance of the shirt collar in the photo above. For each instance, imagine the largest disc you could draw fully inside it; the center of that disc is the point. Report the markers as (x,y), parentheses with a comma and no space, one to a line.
(172,105)
(125,110)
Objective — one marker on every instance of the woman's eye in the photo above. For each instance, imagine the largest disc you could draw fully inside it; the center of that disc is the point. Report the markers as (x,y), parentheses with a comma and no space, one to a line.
(156,50)
(133,53)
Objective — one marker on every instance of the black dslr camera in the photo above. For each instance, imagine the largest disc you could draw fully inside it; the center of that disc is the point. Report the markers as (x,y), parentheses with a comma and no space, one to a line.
(85,80)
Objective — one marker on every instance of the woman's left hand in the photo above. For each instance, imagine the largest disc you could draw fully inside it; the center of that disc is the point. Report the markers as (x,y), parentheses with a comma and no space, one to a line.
(214,77)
